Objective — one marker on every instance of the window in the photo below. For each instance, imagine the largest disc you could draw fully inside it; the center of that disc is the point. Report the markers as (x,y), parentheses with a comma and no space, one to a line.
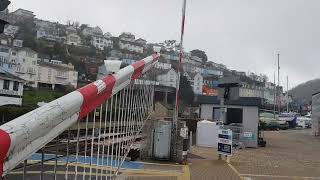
(4,50)
(34,62)
(16,86)
(6,84)
(14,53)
(30,54)
(23,60)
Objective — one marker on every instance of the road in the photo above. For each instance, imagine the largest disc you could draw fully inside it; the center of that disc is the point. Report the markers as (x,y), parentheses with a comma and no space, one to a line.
(289,154)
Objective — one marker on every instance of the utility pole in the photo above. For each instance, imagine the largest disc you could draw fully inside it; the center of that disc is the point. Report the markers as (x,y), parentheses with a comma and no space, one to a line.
(287,94)
(278,88)
(274,95)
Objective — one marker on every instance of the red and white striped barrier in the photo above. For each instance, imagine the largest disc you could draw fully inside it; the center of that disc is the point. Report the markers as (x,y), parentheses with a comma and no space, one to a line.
(25,135)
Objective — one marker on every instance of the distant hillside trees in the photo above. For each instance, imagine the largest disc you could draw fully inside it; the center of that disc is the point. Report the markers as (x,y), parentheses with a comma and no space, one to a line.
(303,92)
(27,33)
(186,94)
(200,54)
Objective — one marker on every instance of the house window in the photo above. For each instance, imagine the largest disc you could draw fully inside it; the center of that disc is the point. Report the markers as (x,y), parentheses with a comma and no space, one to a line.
(34,62)
(6,84)
(14,53)
(23,60)
(16,86)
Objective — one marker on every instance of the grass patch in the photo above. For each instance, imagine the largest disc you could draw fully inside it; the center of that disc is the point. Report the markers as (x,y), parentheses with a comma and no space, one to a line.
(32,97)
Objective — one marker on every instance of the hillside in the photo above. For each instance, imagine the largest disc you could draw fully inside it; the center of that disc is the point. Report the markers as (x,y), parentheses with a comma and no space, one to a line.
(304,91)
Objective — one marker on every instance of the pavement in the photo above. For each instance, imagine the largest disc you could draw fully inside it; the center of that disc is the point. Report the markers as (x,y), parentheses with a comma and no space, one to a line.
(150,171)
(204,165)
(289,154)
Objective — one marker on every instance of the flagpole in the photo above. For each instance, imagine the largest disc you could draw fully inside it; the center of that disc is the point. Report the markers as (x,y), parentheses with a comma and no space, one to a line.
(176,112)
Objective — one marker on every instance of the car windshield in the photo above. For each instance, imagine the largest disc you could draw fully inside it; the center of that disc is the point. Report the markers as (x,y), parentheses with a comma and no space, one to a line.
(266,115)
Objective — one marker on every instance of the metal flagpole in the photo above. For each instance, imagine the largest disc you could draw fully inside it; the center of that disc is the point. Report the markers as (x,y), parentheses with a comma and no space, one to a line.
(176,112)
(278,89)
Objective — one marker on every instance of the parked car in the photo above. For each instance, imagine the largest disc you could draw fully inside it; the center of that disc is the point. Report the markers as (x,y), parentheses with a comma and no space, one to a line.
(272,121)
(284,125)
(273,125)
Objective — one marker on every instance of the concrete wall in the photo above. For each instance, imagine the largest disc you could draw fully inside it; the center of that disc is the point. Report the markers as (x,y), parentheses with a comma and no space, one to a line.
(206,111)
(316,114)
(250,124)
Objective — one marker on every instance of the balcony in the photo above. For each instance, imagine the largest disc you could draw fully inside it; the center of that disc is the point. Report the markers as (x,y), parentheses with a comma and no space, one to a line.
(9,92)
(31,71)
(61,76)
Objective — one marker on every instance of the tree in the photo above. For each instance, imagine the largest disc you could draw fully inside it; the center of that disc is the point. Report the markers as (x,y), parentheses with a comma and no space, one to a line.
(200,54)
(83,26)
(69,23)
(27,33)
(186,94)
(170,43)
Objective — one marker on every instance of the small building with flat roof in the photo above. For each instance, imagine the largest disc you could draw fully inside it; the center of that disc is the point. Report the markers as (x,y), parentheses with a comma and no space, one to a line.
(243,112)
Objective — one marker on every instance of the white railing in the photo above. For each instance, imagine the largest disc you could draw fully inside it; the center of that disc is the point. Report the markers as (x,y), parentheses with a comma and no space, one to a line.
(25,135)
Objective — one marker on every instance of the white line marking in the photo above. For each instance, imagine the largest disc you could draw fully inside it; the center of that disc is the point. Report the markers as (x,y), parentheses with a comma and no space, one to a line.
(278,176)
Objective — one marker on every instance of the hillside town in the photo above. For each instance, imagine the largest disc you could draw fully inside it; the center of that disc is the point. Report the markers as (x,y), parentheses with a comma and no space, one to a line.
(82,101)
(55,55)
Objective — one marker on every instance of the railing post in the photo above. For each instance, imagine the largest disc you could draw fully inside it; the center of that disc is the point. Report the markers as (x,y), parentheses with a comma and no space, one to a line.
(25,162)
(56,158)
(42,165)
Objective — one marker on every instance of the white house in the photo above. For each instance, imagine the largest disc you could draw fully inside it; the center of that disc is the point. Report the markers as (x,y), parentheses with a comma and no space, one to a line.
(162,65)
(17,43)
(107,35)
(24,13)
(10,30)
(126,36)
(247,90)
(167,77)
(49,34)
(130,46)
(71,30)
(25,60)
(73,39)
(196,81)
(91,31)
(53,73)
(142,42)
(11,88)
(5,61)
(101,42)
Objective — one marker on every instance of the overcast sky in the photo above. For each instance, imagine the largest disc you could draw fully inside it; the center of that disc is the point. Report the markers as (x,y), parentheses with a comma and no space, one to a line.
(245,35)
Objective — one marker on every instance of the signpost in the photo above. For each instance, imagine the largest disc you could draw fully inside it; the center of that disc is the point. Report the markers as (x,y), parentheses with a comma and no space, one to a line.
(225,142)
